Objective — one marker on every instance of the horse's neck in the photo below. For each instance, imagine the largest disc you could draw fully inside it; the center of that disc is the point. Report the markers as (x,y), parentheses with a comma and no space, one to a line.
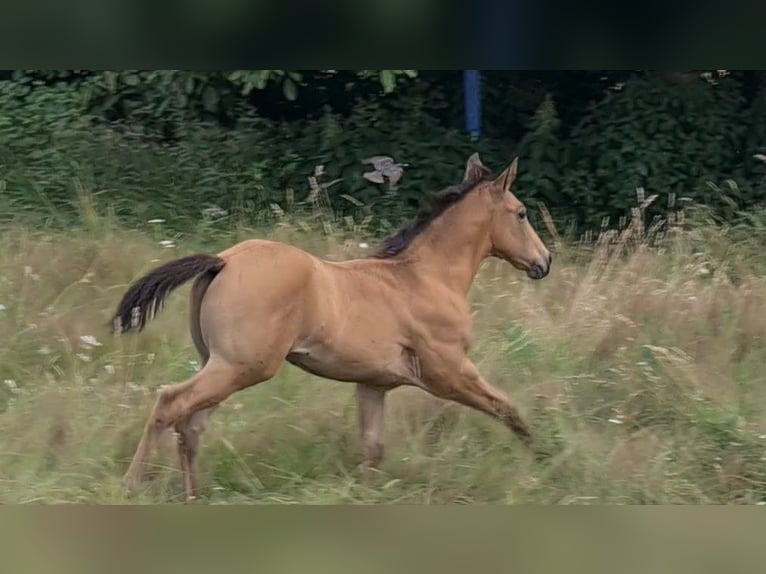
(451,254)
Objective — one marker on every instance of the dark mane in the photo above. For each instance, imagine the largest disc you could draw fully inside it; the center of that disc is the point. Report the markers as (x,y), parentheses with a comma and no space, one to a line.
(429,211)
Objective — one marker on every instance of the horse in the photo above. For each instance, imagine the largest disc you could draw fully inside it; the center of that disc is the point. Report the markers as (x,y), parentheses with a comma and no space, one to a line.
(399,316)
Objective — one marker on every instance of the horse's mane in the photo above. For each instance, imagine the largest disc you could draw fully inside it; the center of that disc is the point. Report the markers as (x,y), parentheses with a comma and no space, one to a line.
(430,210)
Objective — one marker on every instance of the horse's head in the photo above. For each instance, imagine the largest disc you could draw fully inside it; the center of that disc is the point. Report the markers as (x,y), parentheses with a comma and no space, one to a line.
(512,236)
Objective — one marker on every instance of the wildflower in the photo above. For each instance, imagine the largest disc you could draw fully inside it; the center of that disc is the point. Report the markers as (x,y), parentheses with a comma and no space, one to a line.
(28,273)
(89,341)
(214,211)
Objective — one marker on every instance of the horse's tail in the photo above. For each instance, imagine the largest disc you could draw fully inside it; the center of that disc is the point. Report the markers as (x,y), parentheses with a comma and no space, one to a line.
(146,297)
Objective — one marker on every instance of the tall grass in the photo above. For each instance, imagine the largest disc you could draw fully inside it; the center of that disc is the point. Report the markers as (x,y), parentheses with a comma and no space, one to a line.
(638,361)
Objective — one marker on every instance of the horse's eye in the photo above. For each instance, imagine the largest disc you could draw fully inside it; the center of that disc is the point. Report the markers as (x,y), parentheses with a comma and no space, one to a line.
(522,215)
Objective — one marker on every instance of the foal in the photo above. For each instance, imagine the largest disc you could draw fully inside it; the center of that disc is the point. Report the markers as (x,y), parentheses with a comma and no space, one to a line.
(399,317)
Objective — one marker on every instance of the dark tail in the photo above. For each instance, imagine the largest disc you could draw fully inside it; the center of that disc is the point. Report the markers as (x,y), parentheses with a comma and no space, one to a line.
(146,297)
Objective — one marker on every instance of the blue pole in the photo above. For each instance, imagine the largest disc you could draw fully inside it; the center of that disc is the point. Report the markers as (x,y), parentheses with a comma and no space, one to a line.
(471,88)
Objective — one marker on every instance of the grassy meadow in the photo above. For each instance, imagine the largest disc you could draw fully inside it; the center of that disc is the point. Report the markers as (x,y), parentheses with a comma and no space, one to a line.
(640,362)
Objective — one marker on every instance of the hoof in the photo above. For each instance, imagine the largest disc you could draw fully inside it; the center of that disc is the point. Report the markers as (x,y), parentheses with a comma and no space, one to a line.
(542,453)
(367,471)
(131,485)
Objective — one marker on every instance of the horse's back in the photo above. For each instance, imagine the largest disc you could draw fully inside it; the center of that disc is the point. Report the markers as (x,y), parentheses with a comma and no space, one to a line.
(282,276)
(265,248)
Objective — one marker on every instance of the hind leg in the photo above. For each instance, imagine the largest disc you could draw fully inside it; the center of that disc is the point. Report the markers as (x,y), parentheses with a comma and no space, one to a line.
(214,383)
(191,427)
(371,406)
(189,430)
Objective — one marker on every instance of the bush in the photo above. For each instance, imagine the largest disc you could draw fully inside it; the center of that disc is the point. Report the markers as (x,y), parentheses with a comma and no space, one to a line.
(171,144)
(53,147)
(667,136)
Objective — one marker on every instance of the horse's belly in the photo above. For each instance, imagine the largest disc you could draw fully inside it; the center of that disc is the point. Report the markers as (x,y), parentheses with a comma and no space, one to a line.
(391,366)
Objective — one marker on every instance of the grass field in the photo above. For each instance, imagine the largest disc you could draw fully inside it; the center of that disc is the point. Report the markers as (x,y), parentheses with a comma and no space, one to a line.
(640,364)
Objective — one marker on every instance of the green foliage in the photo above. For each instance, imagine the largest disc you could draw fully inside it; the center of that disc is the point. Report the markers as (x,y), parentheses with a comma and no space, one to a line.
(340,144)
(42,128)
(388,78)
(248,169)
(170,144)
(248,80)
(541,149)
(668,136)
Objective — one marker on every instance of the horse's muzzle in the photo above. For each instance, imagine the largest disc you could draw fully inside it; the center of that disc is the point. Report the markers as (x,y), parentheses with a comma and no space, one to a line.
(540,270)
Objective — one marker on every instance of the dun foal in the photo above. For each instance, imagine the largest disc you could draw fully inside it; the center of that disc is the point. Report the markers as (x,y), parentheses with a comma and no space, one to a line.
(399,317)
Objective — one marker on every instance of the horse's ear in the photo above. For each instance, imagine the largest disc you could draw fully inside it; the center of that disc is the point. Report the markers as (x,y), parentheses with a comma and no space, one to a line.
(475,171)
(506,179)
